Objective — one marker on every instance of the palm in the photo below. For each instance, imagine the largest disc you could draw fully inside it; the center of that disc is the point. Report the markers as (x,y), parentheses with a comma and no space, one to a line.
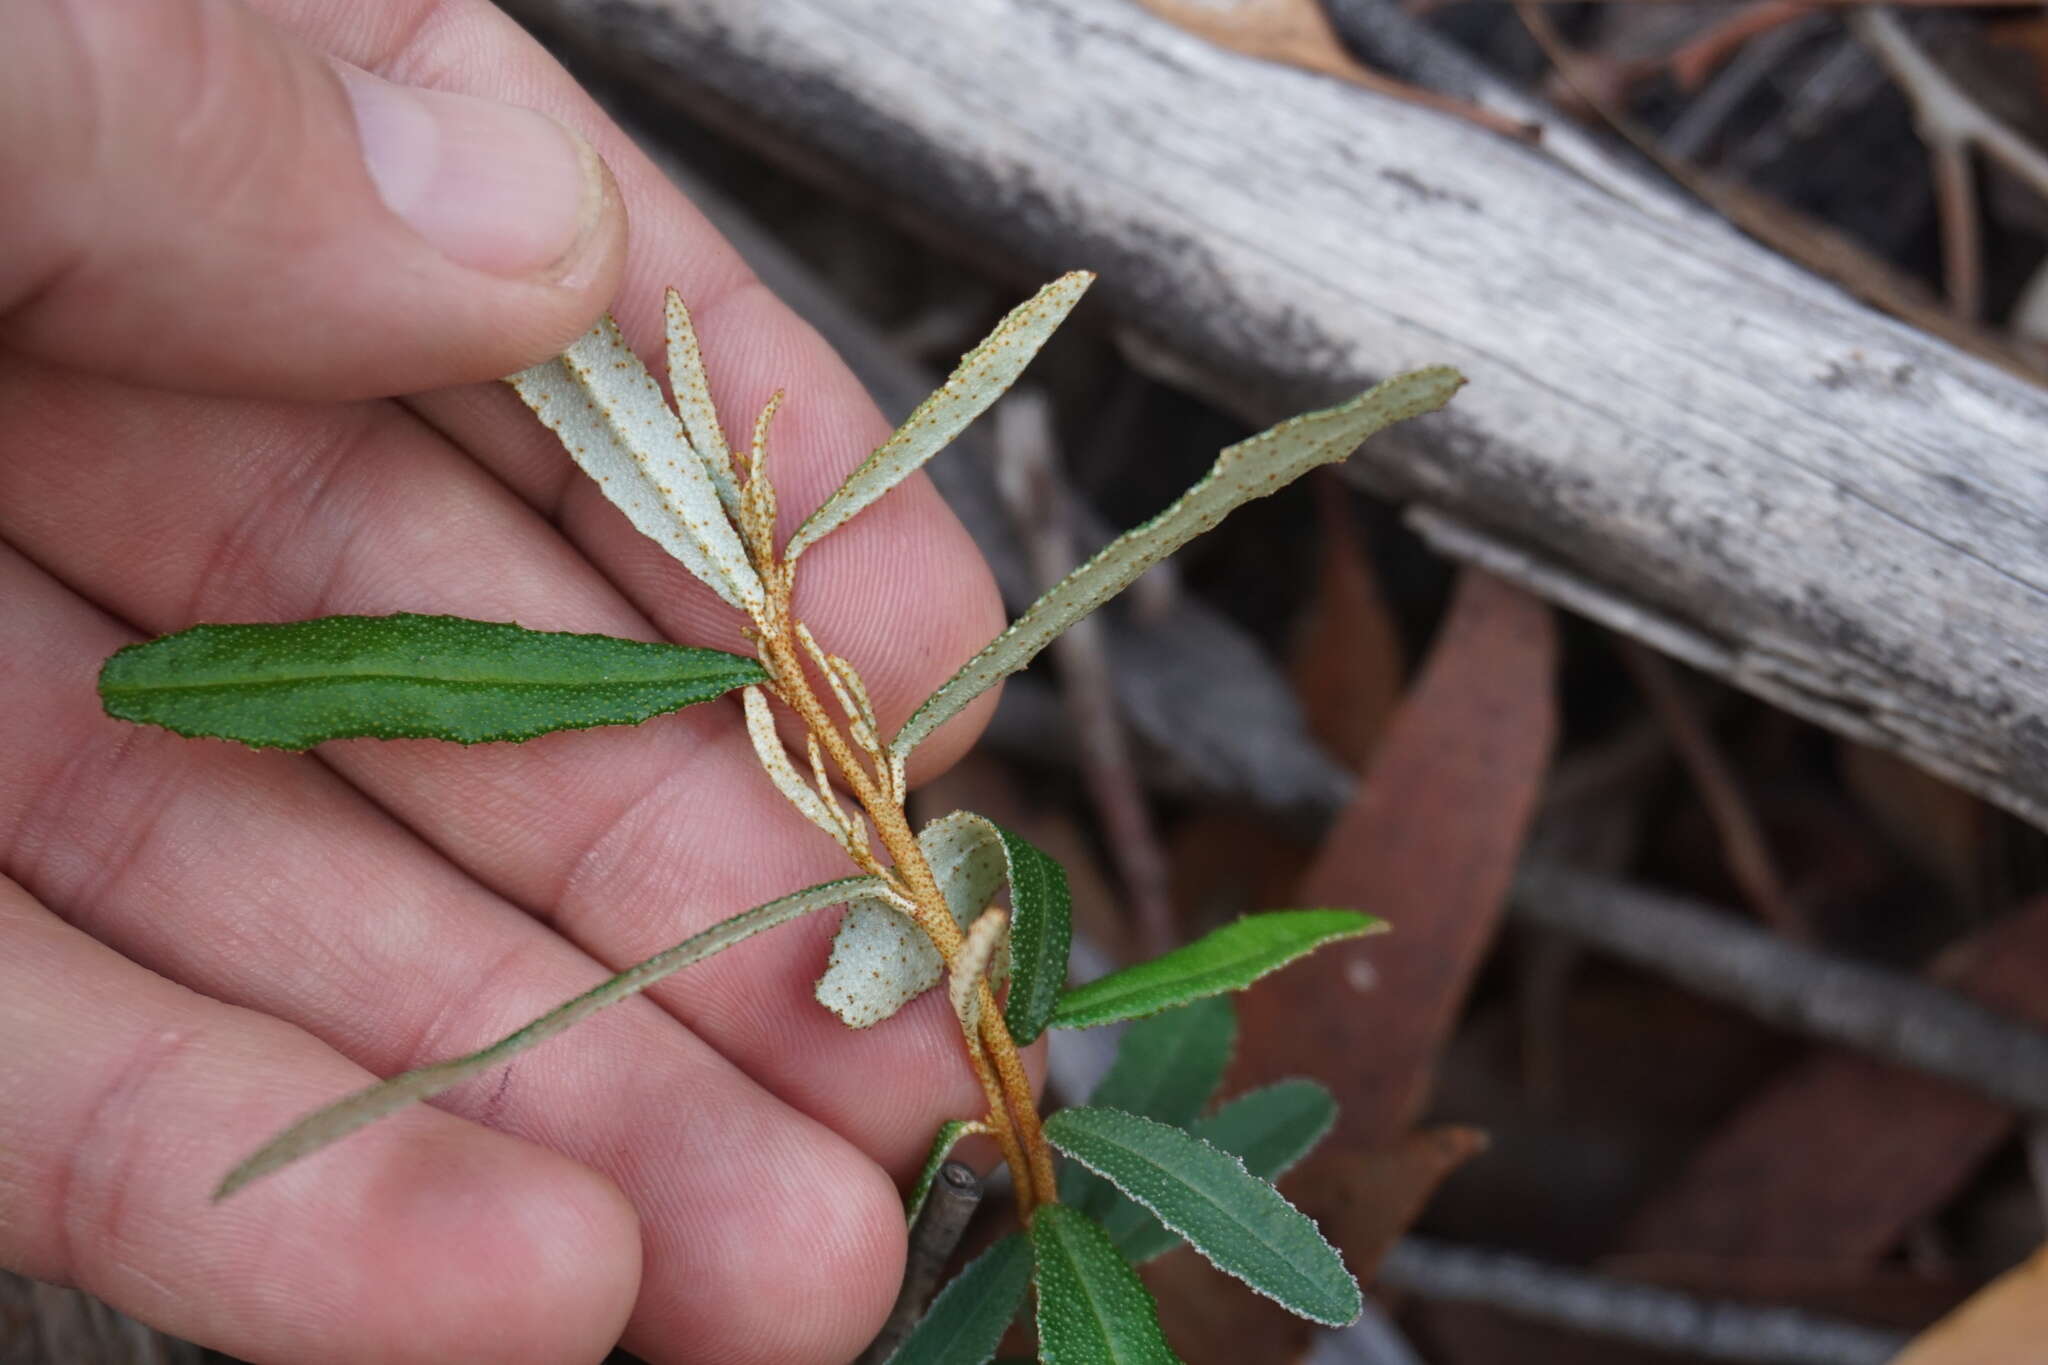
(396,903)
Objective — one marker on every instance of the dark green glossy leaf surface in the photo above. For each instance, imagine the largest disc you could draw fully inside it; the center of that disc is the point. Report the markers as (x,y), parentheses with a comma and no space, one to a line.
(1041,933)
(1092,1309)
(1239,1222)
(1269,1130)
(295,685)
(1166,1068)
(1229,959)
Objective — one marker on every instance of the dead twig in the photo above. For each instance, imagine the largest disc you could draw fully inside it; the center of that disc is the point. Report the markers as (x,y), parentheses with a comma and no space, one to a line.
(956,1193)
(1818,247)
(1742,836)
(1027,474)
(1887,1014)
(1953,125)
(1660,1318)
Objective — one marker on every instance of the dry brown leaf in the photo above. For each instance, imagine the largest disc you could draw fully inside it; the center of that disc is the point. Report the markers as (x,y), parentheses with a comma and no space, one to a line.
(1837,1158)
(1347,661)
(1939,825)
(1298,33)
(2005,1323)
(1429,843)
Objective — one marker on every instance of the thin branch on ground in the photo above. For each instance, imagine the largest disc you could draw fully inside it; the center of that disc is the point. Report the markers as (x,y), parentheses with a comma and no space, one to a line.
(1743,842)
(955,1194)
(1027,473)
(1953,125)
(1822,249)
(1896,1017)
(1660,1318)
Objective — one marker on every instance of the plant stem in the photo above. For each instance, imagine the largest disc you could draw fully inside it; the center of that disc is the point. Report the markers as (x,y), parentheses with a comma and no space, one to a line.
(1013,1113)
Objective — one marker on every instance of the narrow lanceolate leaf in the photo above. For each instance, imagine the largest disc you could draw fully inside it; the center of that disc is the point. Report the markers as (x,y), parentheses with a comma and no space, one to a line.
(1204,1194)
(366,1106)
(981,377)
(966,1322)
(949,1135)
(1166,1068)
(881,961)
(1092,1308)
(1247,470)
(609,413)
(294,685)
(970,967)
(1269,1130)
(1041,934)
(1229,959)
(693,403)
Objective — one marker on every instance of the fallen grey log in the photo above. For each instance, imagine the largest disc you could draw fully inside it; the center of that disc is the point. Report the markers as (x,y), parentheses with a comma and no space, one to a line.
(1649,1316)
(1884,1013)
(1818,503)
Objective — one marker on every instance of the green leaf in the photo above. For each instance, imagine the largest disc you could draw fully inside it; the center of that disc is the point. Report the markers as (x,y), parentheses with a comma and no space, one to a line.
(366,1106)
(1166,1068)
(1229,959)
(1269,1130)
(1273,1127)
(966,1321)
(980,378)
(610,415)
(1041,933)
(1092,1308)
(1247,470)
(294,685)
(1239,1222)
(949,1135)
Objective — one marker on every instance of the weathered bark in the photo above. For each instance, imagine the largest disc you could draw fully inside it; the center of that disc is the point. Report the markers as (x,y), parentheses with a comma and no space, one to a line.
(1668,428)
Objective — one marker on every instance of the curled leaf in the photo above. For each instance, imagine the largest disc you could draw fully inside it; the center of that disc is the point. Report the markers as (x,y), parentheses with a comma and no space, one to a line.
(970,967)
(881,961)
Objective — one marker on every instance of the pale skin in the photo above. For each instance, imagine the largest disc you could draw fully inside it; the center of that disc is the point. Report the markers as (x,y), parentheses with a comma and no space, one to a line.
(205,302)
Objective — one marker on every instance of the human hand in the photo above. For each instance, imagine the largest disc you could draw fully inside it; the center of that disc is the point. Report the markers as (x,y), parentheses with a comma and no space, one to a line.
(204,291)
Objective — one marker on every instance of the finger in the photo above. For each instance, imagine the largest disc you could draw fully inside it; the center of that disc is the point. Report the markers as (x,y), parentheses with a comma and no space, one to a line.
(626,840)
(431,1239)
(263,881)
(198,200)
(900,590)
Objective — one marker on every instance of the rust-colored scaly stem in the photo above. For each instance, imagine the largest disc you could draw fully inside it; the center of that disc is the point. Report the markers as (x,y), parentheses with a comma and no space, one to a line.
(1013,1113)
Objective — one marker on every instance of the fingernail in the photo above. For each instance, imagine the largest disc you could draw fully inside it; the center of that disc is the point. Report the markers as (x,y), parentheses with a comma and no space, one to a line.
(493,186)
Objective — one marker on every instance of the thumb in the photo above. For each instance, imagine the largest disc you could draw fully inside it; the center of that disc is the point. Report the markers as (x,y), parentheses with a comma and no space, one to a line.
(197,201)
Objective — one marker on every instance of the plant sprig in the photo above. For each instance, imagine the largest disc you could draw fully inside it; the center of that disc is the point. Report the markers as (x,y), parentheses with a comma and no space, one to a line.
(922,908)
